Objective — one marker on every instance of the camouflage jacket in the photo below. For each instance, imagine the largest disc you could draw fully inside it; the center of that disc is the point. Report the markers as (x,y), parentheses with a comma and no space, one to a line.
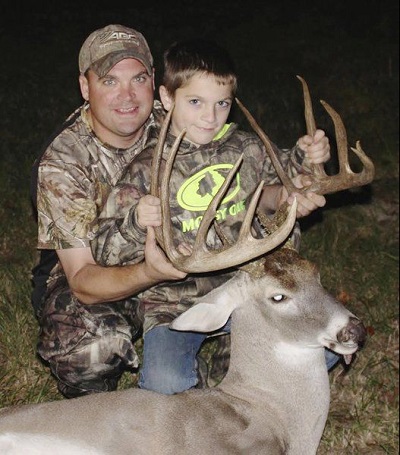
(197,174)
(76,174)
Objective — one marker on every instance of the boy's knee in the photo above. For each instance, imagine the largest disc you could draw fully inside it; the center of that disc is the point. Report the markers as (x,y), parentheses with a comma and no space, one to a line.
(167,382)
(169,360)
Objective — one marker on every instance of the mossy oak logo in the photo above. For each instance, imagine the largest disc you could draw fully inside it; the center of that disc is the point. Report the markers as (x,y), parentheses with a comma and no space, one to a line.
(197,192)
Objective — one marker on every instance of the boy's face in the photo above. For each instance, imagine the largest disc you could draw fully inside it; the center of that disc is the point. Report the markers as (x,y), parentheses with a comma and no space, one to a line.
(202,107)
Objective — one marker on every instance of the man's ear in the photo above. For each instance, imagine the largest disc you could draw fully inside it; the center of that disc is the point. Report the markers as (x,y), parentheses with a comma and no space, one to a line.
(84,85)
(165,98)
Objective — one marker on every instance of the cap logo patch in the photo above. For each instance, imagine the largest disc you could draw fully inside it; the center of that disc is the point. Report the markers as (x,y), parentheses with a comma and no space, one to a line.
(118,36)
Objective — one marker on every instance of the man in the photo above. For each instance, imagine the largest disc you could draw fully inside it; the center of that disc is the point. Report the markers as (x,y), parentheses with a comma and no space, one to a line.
(87,342)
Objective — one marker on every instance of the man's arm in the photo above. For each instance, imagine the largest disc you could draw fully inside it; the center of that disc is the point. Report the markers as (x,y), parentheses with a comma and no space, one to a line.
(92,283)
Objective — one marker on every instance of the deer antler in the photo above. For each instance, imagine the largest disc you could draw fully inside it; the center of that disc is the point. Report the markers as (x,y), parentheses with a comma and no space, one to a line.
(322,183)
(202,259)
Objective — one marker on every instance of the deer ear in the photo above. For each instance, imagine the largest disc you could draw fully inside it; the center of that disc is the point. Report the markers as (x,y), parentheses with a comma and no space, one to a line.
(204,317)
(295,237)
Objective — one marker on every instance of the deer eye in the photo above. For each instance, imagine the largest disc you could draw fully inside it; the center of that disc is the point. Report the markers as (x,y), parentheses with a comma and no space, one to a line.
(278,298)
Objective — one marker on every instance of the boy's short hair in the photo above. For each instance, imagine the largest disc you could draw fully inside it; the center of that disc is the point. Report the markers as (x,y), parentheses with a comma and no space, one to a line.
(184,59)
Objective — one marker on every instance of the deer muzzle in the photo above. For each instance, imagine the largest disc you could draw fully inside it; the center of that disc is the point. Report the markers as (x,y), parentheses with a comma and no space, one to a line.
(352,336)
(354,332)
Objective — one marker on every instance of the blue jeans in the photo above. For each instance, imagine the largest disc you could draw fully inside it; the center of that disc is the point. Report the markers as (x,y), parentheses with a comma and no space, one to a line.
(169,359)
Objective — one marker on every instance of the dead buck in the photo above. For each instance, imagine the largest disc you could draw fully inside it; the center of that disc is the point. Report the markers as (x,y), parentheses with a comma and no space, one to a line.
(274,398)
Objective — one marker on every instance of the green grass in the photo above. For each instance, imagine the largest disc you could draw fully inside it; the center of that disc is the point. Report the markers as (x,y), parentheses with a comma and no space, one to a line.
(348,55)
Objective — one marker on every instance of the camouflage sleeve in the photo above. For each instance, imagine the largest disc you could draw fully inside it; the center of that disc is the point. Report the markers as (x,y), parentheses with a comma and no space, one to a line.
(68,221)
(119,241)
(295,160)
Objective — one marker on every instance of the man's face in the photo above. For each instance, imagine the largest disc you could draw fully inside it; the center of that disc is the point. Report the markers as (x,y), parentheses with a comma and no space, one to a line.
(120,102)
(202,107)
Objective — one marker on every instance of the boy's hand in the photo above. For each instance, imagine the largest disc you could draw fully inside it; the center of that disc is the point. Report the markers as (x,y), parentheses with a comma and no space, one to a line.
(316,148)
(148,211)
(306,202)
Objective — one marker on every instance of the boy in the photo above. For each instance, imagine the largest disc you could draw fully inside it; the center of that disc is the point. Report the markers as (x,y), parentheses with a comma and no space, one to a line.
(200,82)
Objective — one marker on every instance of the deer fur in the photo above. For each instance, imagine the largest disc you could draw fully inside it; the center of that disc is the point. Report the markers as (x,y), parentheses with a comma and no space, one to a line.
(273,400)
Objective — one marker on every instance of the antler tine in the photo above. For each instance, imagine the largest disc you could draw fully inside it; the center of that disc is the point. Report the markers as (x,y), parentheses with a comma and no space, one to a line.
(346,178)
(317,169)
(157,156)
(322,183)
(155,168)
(166,226)
(209,214)
(288,184)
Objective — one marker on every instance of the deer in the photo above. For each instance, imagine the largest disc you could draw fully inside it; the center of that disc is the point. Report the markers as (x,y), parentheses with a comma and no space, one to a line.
(274,398)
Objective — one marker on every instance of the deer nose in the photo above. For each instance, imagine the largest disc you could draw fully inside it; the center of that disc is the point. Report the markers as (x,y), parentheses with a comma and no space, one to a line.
(354,331)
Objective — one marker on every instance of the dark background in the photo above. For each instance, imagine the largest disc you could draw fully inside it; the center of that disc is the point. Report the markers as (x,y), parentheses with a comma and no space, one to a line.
(346,50)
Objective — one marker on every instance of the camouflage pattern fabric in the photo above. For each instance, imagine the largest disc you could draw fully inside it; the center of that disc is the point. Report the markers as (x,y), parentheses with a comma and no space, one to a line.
(77,172)
(213,360)
(87,346)
(87,195)
(197,174)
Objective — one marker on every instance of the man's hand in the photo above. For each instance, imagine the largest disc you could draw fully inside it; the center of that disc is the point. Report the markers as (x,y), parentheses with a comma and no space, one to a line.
(157,266)
(316,148)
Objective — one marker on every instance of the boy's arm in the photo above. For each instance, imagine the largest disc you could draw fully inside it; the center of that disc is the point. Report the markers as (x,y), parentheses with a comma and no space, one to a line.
(273,196)
(121,240)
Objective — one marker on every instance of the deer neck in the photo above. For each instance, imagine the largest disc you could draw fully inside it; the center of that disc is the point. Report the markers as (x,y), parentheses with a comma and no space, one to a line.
(292,381)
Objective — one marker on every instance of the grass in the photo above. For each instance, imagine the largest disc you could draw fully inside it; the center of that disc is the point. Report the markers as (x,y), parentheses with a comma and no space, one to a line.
(348,55)
(358,261)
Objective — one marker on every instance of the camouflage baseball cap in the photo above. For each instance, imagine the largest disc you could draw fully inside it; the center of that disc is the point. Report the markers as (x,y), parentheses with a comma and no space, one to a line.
(107,46)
